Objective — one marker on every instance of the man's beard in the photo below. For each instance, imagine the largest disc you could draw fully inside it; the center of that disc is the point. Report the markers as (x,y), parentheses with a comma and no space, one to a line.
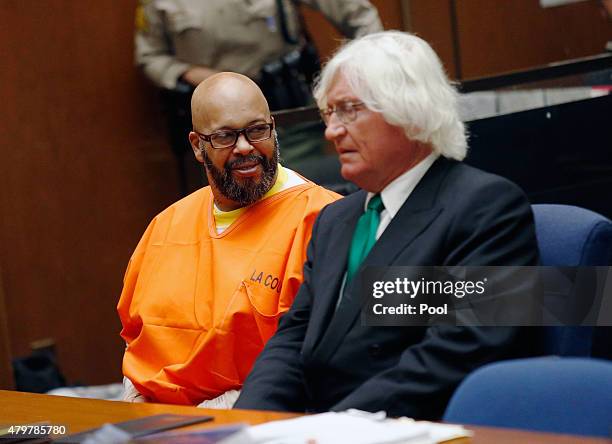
(248,190)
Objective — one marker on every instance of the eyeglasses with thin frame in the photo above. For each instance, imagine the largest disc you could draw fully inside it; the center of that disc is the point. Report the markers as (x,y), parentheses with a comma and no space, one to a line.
(227,138)
(345,111)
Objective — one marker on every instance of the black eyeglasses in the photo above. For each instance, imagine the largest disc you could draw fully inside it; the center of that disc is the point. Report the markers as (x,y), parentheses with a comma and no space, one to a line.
(345,111)
(228,138)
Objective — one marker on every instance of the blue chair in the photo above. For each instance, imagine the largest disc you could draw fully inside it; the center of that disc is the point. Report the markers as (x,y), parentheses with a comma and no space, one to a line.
(572,236)
(551,394)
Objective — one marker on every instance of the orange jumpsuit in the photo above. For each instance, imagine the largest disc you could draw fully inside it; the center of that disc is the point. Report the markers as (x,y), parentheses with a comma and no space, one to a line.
(197,307)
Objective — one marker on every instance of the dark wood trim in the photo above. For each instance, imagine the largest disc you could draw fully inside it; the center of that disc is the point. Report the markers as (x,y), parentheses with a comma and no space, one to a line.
(6,371)
(546,72)
(452,7)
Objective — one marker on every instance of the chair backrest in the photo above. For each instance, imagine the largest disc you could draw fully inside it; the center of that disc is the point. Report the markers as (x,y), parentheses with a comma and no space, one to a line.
(562,395)
(572,236)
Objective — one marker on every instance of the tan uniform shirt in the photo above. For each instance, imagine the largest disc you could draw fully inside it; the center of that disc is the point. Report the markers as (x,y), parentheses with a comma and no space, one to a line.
(230,35)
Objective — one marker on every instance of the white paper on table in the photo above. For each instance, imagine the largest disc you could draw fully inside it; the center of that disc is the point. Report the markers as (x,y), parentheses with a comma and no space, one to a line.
(444,432)
(352,427)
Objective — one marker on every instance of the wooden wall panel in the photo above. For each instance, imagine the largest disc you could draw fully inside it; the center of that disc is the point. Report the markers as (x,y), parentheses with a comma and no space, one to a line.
(327,39)
(84,167)
(504,35)
(432,20)
(6,372)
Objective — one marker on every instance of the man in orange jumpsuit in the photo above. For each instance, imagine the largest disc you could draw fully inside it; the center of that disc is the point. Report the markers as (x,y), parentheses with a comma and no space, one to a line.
(213,272)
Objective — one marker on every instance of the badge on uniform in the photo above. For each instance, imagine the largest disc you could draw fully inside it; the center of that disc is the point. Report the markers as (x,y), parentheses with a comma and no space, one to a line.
(140,19)
(271,23)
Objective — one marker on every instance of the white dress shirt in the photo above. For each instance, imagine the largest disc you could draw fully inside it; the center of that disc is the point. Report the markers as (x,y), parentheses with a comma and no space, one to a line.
(395,194)
(393,197)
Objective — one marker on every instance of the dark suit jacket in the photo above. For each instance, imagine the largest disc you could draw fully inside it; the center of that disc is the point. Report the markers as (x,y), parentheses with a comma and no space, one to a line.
(457,215)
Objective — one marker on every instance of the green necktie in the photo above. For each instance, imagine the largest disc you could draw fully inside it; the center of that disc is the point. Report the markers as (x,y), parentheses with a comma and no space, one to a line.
(364,237)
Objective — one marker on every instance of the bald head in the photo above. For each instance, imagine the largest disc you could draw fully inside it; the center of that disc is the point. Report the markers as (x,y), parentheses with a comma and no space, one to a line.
(222,98)
(225,107)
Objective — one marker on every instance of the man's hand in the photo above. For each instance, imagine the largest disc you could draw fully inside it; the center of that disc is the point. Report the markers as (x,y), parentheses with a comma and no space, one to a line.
(224,401)
(197,74)
(130,394)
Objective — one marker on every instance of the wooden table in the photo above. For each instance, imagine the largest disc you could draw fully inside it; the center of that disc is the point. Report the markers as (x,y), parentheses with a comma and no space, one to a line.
(79,414)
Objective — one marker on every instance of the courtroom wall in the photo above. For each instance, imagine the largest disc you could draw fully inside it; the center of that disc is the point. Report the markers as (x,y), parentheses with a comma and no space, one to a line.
(477,38)
(85,165)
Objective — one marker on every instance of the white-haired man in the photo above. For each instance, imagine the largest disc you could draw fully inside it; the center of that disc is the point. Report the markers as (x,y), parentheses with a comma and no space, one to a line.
(391,113)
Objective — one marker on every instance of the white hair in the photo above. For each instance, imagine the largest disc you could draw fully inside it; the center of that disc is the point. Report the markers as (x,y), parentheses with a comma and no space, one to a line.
(400,76)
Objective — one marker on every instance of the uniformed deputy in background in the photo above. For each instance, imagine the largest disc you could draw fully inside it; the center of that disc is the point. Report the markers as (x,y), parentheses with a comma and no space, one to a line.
(179,43)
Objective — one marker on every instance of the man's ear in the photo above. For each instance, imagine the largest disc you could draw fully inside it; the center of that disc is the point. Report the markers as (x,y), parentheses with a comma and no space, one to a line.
(194,140)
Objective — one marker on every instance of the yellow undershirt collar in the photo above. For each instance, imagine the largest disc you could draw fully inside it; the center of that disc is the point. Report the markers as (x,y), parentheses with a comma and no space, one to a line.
(224,219)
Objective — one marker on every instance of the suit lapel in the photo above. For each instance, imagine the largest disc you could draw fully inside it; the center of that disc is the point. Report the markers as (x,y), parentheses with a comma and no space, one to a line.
(413,218)
(331,274)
